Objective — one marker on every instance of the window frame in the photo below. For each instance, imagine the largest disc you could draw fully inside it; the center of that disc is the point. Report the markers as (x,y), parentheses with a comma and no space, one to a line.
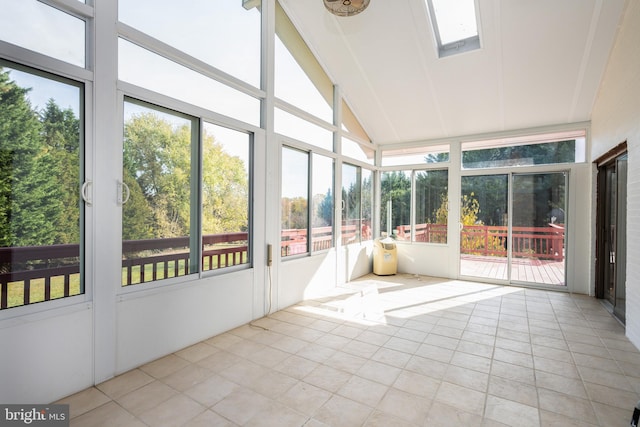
(38,64)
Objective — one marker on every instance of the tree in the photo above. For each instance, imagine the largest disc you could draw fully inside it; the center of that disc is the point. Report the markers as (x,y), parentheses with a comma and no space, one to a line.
(29,206)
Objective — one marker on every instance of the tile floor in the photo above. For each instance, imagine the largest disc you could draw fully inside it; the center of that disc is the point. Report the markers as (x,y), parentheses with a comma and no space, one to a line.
(391,351)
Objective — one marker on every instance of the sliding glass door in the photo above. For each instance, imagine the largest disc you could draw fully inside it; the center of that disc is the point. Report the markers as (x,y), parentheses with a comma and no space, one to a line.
(513,227)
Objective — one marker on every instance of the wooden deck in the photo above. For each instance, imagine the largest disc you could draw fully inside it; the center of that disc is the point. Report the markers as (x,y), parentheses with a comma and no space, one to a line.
(545,272)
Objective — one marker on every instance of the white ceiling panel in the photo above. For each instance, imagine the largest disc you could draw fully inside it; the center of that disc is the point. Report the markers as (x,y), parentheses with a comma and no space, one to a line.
(540,63)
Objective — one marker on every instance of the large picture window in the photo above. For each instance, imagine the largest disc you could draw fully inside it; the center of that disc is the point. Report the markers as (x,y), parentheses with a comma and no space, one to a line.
(357,202)
(41,147)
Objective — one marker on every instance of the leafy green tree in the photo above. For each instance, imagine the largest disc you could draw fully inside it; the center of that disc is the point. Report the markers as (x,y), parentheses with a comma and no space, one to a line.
(29,205)
(61,134)
(395,187)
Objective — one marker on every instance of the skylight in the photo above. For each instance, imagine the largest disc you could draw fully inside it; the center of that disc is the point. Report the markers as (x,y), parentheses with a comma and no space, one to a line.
(455,25)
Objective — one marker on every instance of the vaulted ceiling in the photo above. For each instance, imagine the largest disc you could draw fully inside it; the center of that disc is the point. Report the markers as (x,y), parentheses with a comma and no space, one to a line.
(540,63)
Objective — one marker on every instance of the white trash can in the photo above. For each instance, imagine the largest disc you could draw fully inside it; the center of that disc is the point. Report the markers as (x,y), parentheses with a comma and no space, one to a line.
(385,257)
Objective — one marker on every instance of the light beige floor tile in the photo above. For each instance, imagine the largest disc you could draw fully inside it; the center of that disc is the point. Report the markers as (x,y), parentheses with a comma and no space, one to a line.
(609,379)
(197,352)
(611,415)
(187,377)
(623,399)
(435,352)
(273,384)
(125,383)
(316,352)
(360,349)
(467,378)
(563,404)
(562,384)
(552,419)
(241,405)
(165,366)
(420,385)
(268,357)
(212,390)
(566,369)
(381,419)
(223,341)
(513,390)
(305,398)
(363,390)
(147,397)
(513,372)
(428,367)
(343,412)
(513,357)
(296,367)
(474,348)
(509,344)
(406,406)
(511,413)
(245,348)
(209,419)
(379,372)
(277,414)
(327,378)
(244,372)
(477,363)
(174,412)
(219,361)
(551,353)
(451,394)
(345,362)
(442,415)
(391,357)
(289,344)
(84,401)
(108,415)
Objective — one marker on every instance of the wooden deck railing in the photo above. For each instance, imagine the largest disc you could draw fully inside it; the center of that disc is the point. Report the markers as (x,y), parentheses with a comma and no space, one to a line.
(545,243)
(33,270)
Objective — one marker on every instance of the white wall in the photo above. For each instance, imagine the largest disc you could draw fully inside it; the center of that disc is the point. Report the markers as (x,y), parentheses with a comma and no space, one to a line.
(152,324)
(615,119)
(46,356)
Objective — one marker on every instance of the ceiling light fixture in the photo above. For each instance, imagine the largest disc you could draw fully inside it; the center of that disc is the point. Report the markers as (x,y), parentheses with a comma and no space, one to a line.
(346,7)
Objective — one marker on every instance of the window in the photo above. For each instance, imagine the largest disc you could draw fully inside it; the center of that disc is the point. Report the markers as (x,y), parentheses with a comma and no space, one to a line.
(414,205)
(322,203)
(358,151)
(225,197)
(415,156)
(295,200)
(564,147)
(36,26)
(455,25)
(223,34)
(395,204)
(159,221)
(41,216)
(431,206)
(149,70)
(357,202)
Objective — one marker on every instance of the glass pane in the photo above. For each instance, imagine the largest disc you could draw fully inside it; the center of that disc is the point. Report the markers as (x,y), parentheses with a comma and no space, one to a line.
(299,78)
(415,156)
(44,29)
(157,220)
(456,19)
(302,130)
(367,204)
(478,155)
(40,175)
(350,204)
(222,33)
(538,230)
(322,200)
(395,205)
(484,219)
(431,206)
(358,151)
(295,211)
(225,197)
(148,70)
